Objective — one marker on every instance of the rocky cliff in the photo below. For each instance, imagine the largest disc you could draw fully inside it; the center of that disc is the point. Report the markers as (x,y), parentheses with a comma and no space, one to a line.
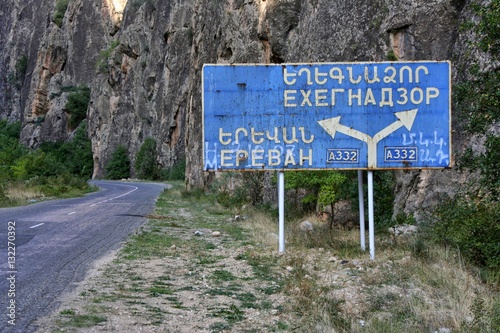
(142,60)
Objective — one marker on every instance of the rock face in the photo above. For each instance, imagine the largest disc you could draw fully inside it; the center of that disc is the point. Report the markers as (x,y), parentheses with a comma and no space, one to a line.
(142,60)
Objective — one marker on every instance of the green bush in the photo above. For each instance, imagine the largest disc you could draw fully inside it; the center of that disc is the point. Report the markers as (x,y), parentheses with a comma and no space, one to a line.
(10,148)
(51,159)
(74,155)
(471,221)
(3,197)
(175,172)
(145,161)
(60,11)
(21,66)
(489,164)
(118,166)
(321,187)
(473,227)
(489,26)
(9,130)
(228,191)
(103,57)
(77,104)
(37,164)
(477,101)
(383,197)
(58,169)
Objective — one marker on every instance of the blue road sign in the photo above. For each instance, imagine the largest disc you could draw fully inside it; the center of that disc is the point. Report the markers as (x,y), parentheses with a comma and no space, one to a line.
(387,115)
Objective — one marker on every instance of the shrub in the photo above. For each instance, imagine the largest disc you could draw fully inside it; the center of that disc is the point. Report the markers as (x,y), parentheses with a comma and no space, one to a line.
(37,163)
(118,166)
(80,161)
(473,227)
(75,155)
(77,104)
(145,160)
(60,10)
(9,130)
(10,148)
(489,26)
(21,65)
(175,172)
(321,187)
(103,57)
(3,197)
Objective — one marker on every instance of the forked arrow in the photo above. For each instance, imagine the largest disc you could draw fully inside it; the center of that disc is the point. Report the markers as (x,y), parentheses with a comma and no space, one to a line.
(333,125)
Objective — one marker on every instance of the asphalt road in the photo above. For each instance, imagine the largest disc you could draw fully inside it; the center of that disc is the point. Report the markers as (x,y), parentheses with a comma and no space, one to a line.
(47,248)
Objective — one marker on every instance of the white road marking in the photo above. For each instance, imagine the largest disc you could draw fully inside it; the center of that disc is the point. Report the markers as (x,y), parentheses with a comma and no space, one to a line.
(36,226)
(71,213)
(135,188)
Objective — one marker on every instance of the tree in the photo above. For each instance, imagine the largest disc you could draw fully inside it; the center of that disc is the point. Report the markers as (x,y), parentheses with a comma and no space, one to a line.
(118,166)
(145,161)
(77,104)
(323,187)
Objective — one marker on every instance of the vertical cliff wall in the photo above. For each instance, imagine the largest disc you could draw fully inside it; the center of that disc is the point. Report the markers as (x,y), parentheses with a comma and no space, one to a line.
(142,60)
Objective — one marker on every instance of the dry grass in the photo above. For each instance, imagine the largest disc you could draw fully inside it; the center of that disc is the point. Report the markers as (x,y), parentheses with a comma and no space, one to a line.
(20,193)
(261,227)
(337,288)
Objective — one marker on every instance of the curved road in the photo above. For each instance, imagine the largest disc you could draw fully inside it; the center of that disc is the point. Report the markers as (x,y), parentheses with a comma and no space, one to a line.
(47,248)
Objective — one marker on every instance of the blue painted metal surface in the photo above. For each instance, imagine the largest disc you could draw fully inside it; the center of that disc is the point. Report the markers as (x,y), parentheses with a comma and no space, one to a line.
(388,115)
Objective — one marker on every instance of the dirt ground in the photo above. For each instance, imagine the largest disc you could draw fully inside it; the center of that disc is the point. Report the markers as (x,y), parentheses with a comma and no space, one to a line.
(175,293)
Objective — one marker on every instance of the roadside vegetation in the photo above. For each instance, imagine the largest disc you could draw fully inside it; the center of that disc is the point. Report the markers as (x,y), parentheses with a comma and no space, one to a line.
(54,170)
(201,266)
(146,166)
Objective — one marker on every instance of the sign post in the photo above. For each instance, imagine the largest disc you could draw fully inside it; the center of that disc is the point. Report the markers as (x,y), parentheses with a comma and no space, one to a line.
(327,116)
(281,208)
(361,210)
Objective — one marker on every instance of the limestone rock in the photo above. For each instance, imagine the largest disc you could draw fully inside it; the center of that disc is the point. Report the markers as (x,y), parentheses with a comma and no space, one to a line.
(306,226)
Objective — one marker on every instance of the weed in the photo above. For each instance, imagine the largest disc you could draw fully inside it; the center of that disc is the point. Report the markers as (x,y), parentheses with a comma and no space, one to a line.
(81,321)
(220,327)
(158,290)
(282,326)
(67,312)
(103,57)
(219,276)
(248,300)
(221,292)
(260,264)
(231,314)
(148,244)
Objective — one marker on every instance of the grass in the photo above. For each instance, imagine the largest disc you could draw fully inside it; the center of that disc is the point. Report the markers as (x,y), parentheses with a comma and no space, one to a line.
(20,194)
(220,276)
(327,283)
(148,244)
(71,319)
(23,193)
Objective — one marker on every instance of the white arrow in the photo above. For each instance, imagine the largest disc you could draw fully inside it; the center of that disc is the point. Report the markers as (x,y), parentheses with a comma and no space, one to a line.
(333,125)
(405,118)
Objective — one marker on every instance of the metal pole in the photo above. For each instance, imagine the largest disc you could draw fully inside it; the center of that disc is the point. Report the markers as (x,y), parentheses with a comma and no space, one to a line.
(370,215)
(361,210)
(281,205)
